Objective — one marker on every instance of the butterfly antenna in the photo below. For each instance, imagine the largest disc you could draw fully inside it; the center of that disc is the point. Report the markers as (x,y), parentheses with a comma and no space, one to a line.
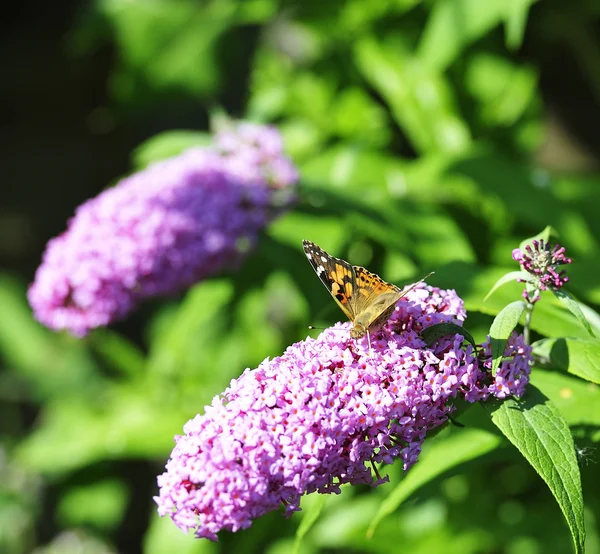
(313,328)
(369,341)
(404,293)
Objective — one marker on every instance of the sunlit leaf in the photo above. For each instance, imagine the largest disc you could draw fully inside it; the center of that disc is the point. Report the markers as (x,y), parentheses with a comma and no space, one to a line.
(577,400)
(164,537)
(578,356)
(574,307)
(165,46)
(516,20)
(310,517)
(502,327)
(167,144)
(539,431)
(508,278)
(118,351)
(453,24)
(101,504)
(438,239)
(443,453)
(503,90)
(550,318)
(548,234)
(419,98)
(27,348)
(119,424)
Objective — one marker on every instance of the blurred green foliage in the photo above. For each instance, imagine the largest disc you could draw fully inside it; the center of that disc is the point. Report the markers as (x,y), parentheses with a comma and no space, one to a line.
(419,130)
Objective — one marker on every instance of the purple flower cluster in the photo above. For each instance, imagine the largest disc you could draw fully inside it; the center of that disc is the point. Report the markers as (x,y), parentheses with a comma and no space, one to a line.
(162,229)
(325,412)
(542,260)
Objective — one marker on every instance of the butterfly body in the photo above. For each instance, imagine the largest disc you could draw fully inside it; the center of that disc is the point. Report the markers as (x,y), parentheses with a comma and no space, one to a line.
(366,299)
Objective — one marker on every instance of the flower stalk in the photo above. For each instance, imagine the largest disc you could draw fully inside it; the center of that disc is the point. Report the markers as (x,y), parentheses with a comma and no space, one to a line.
(542,261)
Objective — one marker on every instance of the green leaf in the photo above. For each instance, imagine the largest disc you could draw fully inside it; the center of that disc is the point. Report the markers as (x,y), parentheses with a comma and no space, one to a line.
(509,277)
(165,46)
(503,325)
(433,125)
(119,423)
(503,91)
(434,332)
(118,351)
(574,307)
(501,179)
(100,504)
(592,316)
(539,431)
(164,537)
(516,21)
(357,116)
(28,348)
(310,517)
(187,341)
(345,169)
(439,455)
(550,317)
(579,356)
(437,238)
(168,144)
(256,11)
(547,235)
(453,24)
(584,282)
(577,400)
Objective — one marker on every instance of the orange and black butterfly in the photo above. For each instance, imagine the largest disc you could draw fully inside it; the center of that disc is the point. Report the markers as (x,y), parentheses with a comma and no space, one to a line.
(366,299)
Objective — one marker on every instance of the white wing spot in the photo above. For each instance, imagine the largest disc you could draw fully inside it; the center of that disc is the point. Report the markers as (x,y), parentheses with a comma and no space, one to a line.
(324,259)
(320,269)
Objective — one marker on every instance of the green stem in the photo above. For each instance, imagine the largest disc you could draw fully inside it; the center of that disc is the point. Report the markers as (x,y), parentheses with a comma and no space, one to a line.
(528,314)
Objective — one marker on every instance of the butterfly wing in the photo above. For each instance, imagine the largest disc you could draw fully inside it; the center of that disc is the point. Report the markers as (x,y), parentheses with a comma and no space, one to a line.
(337,276)
(375,299)
(366,299)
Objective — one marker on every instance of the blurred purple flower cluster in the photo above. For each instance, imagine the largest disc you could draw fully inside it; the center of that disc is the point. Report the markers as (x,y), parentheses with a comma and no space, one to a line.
(324,412)
(163,228)
(542,260)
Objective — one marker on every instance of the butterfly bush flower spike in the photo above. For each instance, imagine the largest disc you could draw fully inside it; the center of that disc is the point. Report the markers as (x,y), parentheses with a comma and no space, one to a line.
(322,414)
(542,261)
(164,228)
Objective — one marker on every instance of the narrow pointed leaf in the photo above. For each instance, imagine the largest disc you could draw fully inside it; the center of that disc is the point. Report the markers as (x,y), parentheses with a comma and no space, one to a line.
(516,21)
(573,306)
(539,431)
(442,454)
(546,235)
(503,325)
(167,144)
(118,351)
(509,277)
(310,517)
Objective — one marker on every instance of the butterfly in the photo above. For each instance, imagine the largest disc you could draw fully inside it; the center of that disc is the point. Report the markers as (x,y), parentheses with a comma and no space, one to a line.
(366,299)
